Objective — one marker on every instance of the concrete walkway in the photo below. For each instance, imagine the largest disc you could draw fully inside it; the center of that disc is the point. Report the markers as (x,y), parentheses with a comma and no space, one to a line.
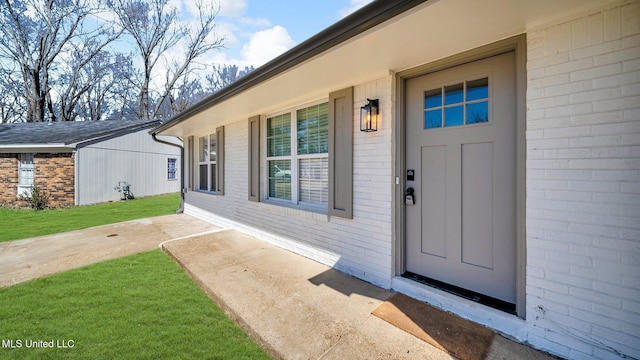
(28,259)
(294,307)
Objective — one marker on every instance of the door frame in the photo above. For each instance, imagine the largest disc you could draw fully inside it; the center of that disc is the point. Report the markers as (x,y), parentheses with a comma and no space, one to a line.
(518,45)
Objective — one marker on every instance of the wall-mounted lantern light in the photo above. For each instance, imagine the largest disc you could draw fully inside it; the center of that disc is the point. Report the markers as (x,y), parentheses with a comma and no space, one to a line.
(369,116)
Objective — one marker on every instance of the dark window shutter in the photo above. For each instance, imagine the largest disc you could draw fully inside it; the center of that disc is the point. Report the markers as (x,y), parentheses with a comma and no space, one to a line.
(220,161)
(341,153)
(190,164)
(254,158)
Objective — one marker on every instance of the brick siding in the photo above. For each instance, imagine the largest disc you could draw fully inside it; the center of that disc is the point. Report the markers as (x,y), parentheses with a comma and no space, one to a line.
(55,174)
(583,185)
(9,180)
(52,172)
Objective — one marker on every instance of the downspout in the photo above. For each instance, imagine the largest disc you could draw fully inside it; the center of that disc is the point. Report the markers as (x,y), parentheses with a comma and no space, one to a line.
(182,188)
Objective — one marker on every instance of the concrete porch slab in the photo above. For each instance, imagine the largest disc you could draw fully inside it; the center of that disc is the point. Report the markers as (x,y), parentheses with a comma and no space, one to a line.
(297,308)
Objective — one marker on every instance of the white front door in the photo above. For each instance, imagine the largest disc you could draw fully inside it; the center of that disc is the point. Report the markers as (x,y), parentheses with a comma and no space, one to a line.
(461,146)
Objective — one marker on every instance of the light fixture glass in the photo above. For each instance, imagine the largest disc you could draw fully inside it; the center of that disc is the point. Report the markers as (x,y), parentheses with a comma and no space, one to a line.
(369,116)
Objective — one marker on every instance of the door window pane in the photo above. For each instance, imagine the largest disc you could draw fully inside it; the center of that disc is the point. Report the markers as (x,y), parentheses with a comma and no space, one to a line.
(478,89)
(433,119)
(280,179)
(454,116)
(453,94)
(432,98)
(477,112)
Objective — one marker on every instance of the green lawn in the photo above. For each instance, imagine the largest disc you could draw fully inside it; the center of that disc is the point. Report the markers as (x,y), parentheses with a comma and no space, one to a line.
(137,307)
(22,223)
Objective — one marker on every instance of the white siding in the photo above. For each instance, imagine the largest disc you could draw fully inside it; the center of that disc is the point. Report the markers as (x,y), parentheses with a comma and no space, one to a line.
(362,246)
(135,158)
(583,185)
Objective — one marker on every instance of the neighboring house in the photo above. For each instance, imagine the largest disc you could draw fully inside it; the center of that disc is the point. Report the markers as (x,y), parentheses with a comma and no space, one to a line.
(80,163)
(516,124)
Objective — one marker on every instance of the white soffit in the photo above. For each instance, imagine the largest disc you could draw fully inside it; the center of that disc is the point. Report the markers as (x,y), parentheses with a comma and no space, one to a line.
(432,31)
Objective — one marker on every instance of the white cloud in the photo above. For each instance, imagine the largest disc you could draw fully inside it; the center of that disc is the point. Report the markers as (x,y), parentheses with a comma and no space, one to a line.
(192,6)
(189,9)
(265,45)
(227,31)
(355,5)
(256,22)
(232,7)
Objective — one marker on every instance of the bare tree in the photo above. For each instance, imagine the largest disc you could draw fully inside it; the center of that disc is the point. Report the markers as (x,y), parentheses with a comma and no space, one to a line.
(12,106)
(113,95)
(187,93)
(86,69)
(56,62)
(156,29)
(34,36)
(224,75)
(109,89)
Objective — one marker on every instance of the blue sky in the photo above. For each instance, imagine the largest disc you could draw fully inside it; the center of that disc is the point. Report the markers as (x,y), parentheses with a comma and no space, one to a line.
(259,30)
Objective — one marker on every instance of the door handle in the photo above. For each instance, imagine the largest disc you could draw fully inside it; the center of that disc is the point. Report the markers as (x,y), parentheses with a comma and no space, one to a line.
(409,197)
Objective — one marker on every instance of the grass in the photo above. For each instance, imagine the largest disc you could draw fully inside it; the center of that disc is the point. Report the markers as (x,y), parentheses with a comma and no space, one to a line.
(137,307)
(22,223)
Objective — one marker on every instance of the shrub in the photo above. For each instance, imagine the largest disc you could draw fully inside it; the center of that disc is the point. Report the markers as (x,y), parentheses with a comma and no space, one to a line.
(39,199)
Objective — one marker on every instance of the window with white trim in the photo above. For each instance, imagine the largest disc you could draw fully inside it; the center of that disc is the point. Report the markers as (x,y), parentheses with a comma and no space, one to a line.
(25,174)
(207,161)
(171,168)
(25,169)
(297,156)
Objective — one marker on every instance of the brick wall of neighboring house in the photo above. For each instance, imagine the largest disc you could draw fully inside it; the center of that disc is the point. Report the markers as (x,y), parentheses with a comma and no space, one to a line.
(9,180)
(55,174)
(52,172)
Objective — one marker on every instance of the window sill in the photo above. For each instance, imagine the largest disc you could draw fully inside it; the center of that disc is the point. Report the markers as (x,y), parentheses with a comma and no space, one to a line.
(297,210)
(205,192)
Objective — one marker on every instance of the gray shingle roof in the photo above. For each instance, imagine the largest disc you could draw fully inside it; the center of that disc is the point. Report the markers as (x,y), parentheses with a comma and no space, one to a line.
(68,132)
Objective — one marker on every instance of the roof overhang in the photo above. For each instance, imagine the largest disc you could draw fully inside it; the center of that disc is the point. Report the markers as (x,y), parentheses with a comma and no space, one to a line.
(36,148)
(378,40)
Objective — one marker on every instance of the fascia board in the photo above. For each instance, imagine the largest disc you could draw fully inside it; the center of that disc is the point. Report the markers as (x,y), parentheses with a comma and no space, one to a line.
(27,148)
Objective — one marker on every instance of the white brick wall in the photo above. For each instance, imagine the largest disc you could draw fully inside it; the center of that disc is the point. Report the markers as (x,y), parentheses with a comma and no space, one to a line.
(362,246)
(583,185)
